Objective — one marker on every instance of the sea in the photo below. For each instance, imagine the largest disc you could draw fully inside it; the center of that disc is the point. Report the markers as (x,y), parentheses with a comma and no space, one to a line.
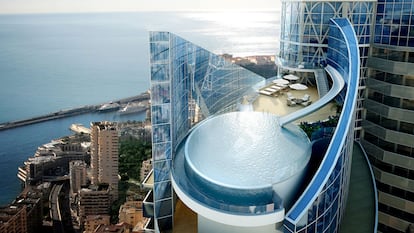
(52,62)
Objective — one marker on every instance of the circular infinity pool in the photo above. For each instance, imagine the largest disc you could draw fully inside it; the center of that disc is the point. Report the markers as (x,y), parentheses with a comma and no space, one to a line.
(244,151)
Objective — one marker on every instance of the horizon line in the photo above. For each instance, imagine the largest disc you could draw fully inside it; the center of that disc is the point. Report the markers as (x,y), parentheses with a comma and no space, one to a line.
(138,11)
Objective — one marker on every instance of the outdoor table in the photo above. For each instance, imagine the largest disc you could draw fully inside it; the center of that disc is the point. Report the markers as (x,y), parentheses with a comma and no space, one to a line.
(281,81)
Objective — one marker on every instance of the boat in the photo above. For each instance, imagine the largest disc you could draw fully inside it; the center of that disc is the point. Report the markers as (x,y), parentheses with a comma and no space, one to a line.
(79,128)
(132,107)
(111,106)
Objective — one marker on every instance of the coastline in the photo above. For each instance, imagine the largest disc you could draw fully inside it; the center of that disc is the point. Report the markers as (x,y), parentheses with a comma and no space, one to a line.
(70,112)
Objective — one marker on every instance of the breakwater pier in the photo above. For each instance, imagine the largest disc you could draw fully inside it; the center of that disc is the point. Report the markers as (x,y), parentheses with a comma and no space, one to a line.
(143,97)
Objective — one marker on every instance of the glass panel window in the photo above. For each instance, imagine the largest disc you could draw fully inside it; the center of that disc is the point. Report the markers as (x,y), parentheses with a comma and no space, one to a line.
(406,127)
(394,79)
(409,81)
(389,146)
(371,138)
(160,93)
(161,171)
(159,72)
(408,104)
(163,208)
(392,101)
(165,223)
(411,54)
(373,117)
(161,133)
(404,150)
(373,95)
(389,123)
(161,151)
(159,51)
(160,114)
(379,75)
(396,55)
(162,190)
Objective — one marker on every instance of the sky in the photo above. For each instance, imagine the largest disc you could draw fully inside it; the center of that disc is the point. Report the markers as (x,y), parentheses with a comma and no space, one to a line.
(67,6)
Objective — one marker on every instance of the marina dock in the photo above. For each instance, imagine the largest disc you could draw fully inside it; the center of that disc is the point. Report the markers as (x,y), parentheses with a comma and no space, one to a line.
(71,112)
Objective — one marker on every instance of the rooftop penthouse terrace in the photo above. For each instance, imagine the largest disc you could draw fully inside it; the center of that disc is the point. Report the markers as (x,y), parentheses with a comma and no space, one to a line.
(185,219)
(278,104)
(319,199)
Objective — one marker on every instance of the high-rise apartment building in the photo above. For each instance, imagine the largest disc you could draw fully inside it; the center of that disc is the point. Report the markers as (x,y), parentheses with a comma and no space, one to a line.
(231,169)
(94,201)
(369,44)
(384,121)
(78,177)
(304,39)
(104,155)
(389,118)
(24,214)
(13,219)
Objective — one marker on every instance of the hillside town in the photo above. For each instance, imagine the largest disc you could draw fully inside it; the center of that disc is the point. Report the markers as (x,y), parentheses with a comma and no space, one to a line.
(80,183)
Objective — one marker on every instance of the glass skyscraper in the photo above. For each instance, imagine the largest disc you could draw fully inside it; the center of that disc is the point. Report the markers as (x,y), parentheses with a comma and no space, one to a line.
(191,85)
(369,45)
(385,101)
(321,206)
(389,118)
(384,120)
(188,84)
(305,32)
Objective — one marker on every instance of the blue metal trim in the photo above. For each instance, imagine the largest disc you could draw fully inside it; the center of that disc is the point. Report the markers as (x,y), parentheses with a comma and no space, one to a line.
(345,120)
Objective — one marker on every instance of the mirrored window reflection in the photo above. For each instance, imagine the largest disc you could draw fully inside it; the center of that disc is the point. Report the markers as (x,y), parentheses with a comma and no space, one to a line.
(305,28)
(394,23)
(161,171)
(162,190)
(161,151)
(159,72)
(160,114)
(165,222)
(159,52)
(161,133)
(322,215)
(159,36)
(187,83)
(160,93)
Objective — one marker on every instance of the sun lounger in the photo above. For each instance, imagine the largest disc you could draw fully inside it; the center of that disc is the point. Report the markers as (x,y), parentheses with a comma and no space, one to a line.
(282,86)
(265,92)
(275,87)
(271,89)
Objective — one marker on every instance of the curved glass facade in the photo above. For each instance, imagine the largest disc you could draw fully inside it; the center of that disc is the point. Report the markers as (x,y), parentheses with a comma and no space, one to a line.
(305,32)
(389,119)
(305,29)
(188,83)
(394,24)
(321,206)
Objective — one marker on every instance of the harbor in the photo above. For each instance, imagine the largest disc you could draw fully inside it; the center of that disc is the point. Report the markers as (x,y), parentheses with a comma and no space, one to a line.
(142,99)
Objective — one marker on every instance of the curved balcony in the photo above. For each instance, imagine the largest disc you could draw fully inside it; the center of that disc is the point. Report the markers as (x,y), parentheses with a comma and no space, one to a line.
(241,165)
(339,146)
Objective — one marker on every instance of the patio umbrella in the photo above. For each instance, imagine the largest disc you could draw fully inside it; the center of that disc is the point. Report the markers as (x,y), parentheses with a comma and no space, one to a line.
(281,81)
(298,86)
(291,77)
